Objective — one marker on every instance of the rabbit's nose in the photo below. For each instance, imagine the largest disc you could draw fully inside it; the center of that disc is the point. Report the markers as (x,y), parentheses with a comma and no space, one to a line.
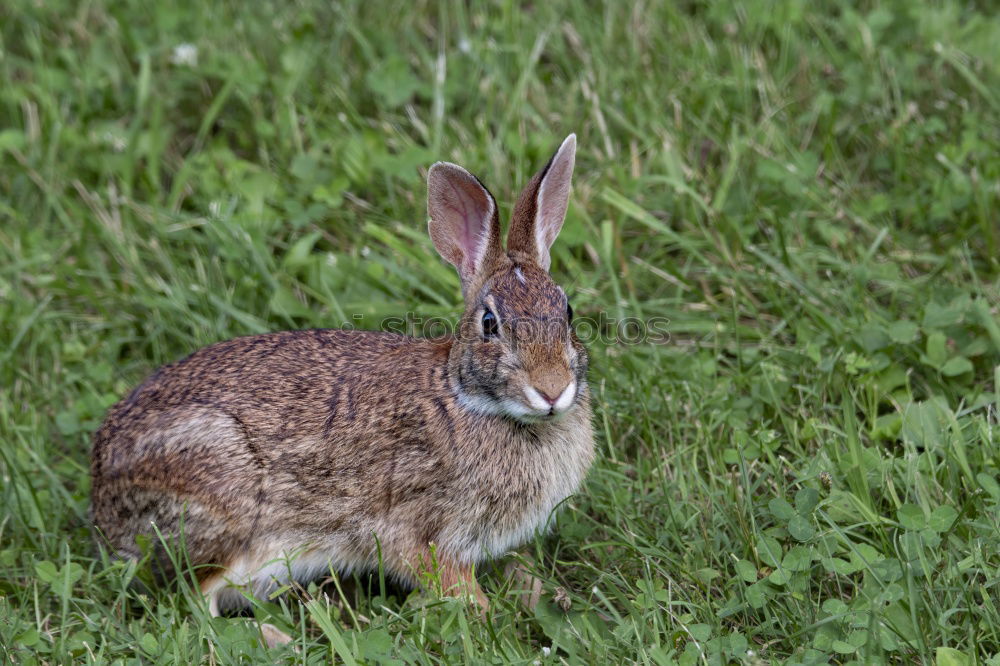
(550,385)
(548,398)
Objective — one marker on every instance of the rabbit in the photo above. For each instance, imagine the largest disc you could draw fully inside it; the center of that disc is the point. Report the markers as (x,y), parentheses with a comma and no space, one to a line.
(281,456)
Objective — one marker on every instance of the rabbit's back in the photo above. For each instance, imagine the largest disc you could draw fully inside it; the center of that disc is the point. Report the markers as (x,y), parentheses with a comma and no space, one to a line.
(285,432)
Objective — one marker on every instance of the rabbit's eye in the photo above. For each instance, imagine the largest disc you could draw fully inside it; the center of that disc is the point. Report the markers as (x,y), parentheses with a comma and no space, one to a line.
(489,324)
(569,312)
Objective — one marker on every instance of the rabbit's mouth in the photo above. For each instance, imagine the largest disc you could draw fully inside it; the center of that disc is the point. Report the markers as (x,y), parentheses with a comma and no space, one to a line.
(537,405)
(545,404)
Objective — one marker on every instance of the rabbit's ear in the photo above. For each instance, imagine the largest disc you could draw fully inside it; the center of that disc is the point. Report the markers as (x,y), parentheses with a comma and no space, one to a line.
(464,222)
(541,208)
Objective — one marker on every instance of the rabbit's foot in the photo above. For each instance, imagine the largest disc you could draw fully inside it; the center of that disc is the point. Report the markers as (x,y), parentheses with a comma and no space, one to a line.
(447,578)
(214,587)
(273,636)
(523,583)
(460,581)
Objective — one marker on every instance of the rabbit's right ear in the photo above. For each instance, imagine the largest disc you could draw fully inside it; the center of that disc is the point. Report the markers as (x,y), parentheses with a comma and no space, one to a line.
(541,209)
(464,221)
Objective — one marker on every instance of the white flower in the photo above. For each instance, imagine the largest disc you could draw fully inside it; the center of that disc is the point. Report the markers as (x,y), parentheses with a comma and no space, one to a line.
(117,142)
(185,54)
(546,651)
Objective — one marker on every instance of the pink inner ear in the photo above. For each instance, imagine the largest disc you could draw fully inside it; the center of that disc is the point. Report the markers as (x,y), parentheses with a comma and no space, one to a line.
(468,224)
(553,198)
(461,212)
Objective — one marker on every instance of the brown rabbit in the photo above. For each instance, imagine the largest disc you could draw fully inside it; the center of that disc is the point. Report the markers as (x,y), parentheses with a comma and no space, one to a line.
(279,456)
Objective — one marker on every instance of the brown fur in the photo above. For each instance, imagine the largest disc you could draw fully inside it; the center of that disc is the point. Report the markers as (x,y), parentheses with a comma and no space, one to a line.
(326,445)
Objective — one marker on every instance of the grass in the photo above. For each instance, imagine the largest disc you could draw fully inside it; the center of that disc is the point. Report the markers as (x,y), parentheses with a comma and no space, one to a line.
(807,472)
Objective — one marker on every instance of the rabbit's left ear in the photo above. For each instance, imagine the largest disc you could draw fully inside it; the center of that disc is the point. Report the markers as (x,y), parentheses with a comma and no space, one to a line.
(464,223)
(541,209)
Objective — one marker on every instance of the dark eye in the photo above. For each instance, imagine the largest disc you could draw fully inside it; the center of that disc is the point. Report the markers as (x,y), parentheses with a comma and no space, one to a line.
(569,311)
(489,324)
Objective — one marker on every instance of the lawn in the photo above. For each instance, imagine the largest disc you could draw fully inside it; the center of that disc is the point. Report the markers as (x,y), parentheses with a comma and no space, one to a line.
(805,470)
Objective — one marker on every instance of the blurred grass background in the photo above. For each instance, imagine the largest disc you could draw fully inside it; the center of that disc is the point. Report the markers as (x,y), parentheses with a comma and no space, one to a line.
(807,472)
